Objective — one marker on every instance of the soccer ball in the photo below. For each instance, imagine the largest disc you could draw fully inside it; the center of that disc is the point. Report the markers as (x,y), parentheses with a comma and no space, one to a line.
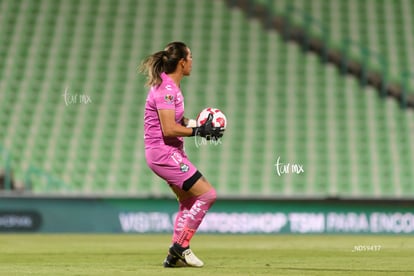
(219,119)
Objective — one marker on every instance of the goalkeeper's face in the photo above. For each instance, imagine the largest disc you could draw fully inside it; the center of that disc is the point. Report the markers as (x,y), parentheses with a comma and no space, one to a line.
(187,63)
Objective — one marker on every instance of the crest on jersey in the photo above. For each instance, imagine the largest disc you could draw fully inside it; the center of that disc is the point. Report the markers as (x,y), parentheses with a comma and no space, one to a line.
(169,99)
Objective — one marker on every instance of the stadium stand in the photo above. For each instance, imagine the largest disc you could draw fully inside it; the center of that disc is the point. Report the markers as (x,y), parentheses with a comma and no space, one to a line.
(372,32)
(71,101)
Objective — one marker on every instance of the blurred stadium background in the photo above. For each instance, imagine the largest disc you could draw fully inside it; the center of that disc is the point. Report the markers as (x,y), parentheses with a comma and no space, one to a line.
(71,100)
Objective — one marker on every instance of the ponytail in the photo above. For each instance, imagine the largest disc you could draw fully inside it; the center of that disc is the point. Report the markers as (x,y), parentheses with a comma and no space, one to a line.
(153,66)
(163,61)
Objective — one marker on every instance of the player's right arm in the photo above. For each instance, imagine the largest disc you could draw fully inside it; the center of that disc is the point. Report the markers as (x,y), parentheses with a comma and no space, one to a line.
(169,127)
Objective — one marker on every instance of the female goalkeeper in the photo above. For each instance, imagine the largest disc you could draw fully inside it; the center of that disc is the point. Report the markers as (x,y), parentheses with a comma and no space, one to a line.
(164,127)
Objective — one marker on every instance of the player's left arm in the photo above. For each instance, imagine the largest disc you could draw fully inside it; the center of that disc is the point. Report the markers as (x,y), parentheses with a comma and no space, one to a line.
(188,122)
(184,121)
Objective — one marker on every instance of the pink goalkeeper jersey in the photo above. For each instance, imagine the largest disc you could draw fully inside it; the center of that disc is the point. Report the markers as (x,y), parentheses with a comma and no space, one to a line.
(165,96)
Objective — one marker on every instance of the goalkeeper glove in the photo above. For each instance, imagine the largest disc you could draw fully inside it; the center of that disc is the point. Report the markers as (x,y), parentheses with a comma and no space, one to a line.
(207,130)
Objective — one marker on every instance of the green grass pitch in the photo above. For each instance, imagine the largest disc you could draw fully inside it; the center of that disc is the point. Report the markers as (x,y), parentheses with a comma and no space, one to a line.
(58,254)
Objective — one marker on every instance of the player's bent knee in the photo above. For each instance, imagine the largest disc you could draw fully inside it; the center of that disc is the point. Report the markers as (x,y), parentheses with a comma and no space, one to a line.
(209,197)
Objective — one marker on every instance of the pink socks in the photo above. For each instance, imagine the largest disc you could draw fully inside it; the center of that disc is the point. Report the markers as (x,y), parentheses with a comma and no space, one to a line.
(190,216)
(181,217)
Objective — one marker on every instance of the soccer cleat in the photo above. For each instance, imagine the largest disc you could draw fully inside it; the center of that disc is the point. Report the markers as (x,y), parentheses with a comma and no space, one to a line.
(191,259)
(172,261)
(186,255)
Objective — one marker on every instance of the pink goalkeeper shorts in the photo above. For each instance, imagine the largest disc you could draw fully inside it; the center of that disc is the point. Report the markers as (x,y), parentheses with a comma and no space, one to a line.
(172,165)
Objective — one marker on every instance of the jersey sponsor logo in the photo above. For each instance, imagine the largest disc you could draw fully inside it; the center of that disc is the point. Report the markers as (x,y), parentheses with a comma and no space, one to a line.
(169,99)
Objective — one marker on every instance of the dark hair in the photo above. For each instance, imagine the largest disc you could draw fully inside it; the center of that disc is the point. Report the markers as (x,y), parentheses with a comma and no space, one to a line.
(163,61)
